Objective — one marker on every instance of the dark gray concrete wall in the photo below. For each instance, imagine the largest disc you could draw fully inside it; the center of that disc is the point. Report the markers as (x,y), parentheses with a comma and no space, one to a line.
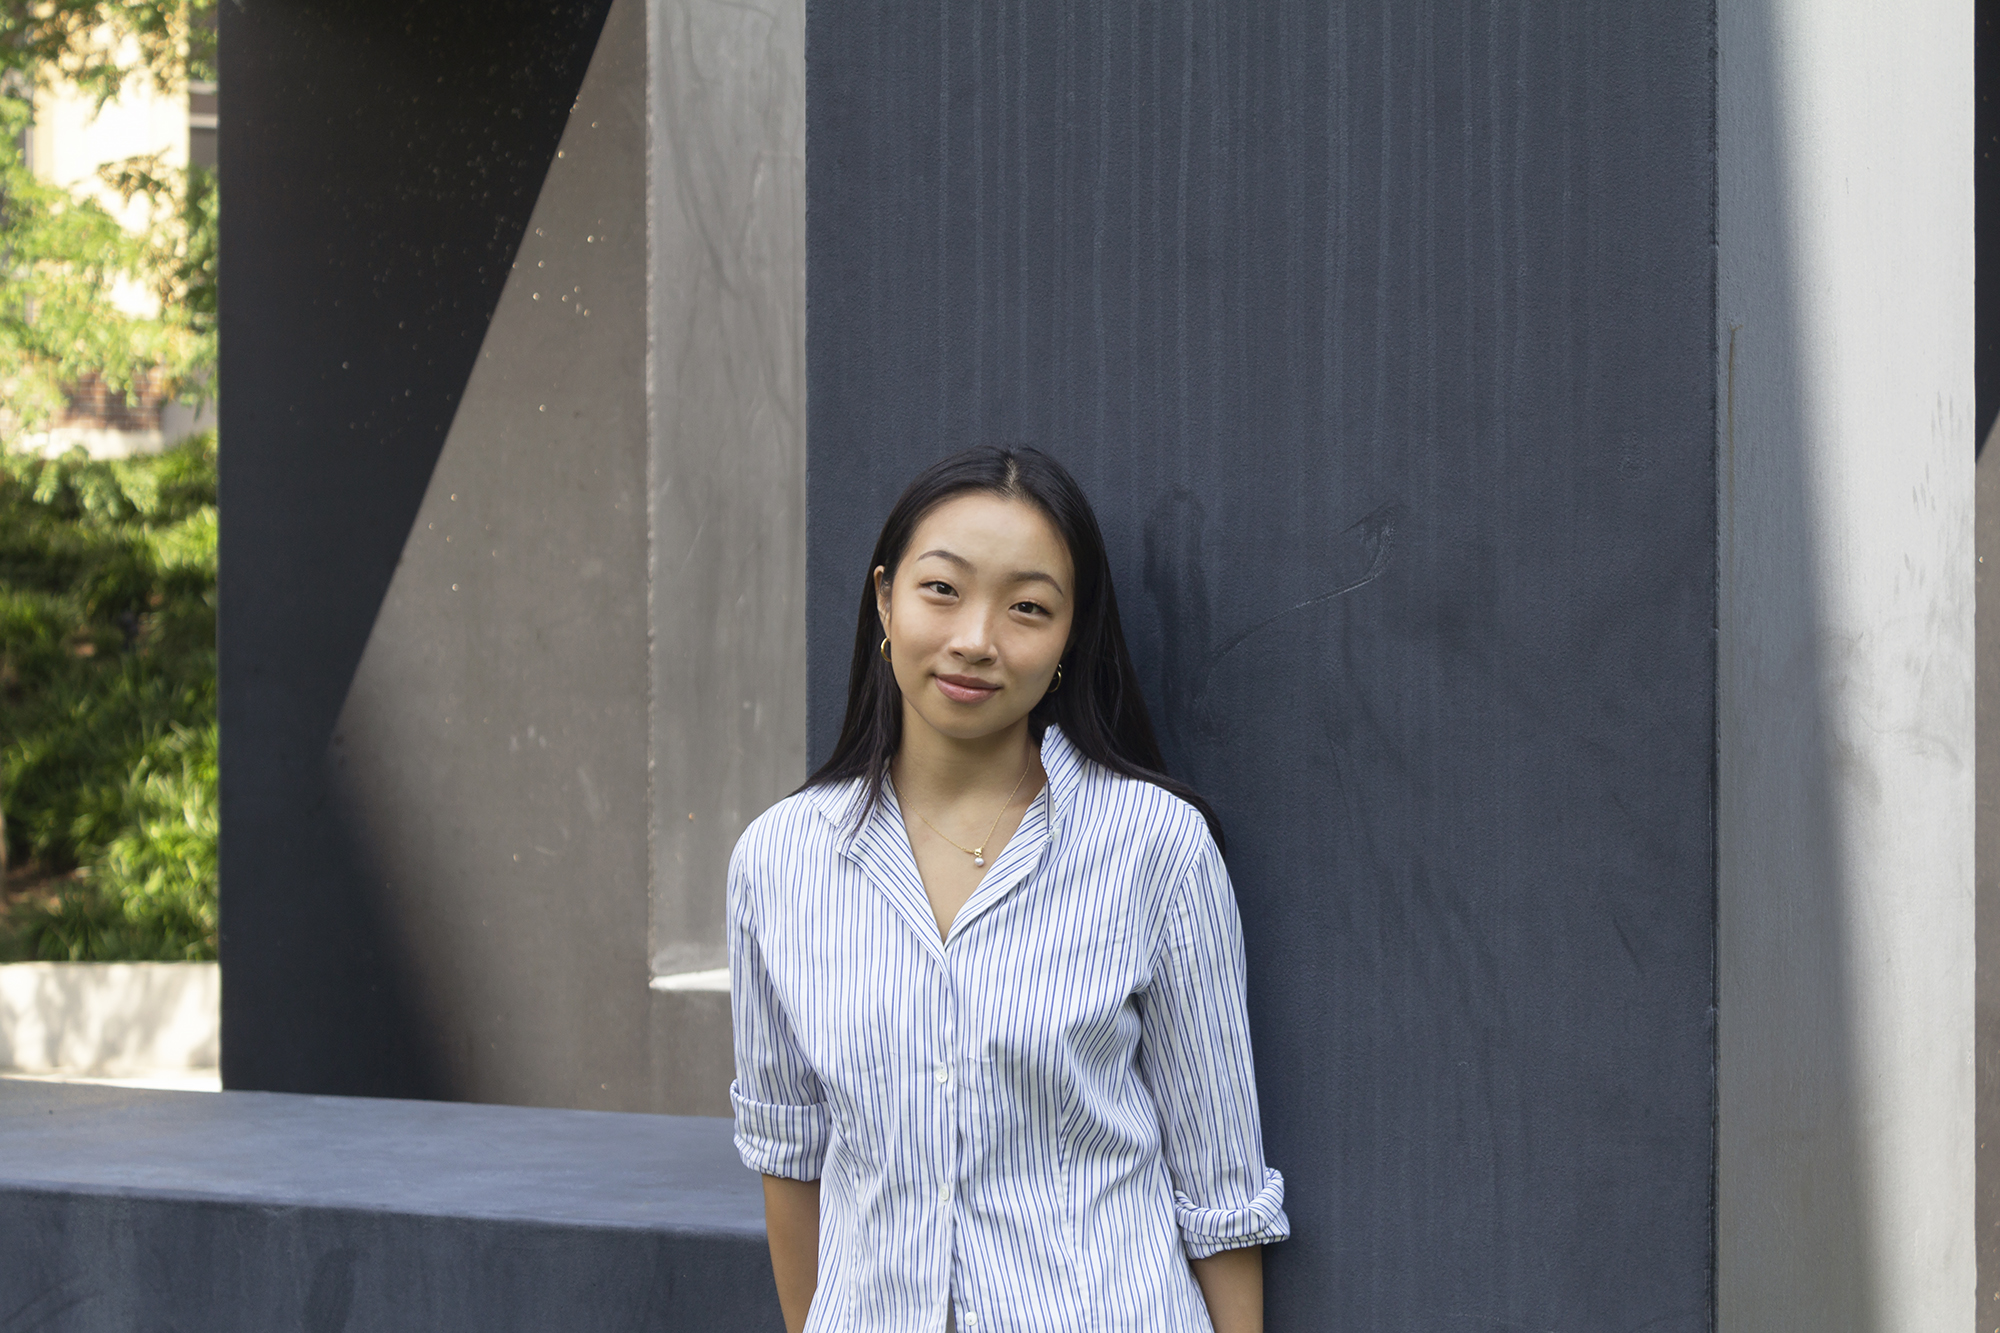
(436,654)
(1381,336)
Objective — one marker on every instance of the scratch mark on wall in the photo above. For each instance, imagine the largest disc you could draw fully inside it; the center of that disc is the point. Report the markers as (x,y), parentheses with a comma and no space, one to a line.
(1375,531)
(1176,570)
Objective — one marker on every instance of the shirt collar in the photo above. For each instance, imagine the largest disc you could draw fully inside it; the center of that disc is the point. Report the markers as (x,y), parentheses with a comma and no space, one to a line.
(1064,764)
(840,802)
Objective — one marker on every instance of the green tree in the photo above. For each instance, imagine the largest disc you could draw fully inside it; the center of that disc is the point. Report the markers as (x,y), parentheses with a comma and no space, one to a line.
(107,569)
(62,254)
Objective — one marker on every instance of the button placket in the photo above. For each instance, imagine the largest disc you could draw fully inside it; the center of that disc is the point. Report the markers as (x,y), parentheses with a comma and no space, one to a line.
(941,1072)
(947,1107)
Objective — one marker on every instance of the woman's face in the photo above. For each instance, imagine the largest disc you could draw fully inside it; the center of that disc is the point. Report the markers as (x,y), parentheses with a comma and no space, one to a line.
(977,614)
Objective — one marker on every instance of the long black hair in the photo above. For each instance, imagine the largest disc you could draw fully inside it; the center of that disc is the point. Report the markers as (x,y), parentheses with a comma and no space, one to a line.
(1099,707)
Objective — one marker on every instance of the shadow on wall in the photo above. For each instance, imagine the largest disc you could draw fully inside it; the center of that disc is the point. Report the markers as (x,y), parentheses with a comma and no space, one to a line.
(359,300)
(490,755)
(1986,858)
(1813,726)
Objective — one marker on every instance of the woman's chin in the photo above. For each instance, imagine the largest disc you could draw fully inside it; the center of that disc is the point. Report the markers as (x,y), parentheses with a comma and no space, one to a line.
(967,723)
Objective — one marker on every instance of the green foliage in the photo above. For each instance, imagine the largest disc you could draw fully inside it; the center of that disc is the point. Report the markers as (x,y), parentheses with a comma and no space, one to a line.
(84,42)
(107,703)
(107,569)
(63,256)
(178,251)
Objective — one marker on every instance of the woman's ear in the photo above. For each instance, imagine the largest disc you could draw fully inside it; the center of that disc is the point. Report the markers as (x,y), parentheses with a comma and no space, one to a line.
(882,597)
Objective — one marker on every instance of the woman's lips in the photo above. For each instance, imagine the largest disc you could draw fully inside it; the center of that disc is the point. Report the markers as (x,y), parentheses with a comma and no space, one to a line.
(965,689)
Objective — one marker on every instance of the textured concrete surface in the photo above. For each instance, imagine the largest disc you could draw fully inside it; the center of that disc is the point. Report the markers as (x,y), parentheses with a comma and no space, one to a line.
(1986,222)
(123,1210)
(1987,879)
(728,454)
(441,630)
(1387,341)
(387,163)
(1846,704)
(1381,336)
(490,758)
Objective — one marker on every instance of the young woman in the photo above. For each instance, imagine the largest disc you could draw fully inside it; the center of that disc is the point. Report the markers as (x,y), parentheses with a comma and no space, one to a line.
(986,965)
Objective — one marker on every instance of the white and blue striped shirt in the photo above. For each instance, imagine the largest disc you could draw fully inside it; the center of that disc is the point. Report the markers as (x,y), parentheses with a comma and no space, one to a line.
(1035,1121)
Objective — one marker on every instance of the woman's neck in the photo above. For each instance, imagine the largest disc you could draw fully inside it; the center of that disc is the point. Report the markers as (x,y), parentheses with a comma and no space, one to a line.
(934,769)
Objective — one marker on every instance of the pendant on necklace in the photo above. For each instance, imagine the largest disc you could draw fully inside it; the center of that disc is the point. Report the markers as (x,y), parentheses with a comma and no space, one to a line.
(977,859)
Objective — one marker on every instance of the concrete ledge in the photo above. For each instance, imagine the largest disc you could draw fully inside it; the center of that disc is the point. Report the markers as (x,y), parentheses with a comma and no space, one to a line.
(110,1019)
(261,1211)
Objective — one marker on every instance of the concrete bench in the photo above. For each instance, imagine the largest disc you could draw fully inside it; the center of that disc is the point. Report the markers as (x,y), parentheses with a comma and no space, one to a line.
(130,1210)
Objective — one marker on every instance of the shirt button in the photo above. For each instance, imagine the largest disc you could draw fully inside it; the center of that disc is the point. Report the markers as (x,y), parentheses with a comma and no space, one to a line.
(944,1193)
(971,1319)
(943,1074)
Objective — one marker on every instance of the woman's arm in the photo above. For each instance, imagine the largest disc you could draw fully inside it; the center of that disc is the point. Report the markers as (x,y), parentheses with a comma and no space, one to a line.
(1232,1285)
(1194,1058)
(791,1221)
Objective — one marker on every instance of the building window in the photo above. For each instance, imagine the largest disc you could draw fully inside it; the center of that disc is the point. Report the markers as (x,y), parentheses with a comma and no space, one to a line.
(201,124)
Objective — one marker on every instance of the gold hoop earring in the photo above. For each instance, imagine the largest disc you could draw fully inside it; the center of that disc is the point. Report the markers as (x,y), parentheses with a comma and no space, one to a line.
(885,647)
(1055,684)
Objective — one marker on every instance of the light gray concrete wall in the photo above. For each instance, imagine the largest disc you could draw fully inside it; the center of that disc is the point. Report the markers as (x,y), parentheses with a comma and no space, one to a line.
(1987,879)
(727,458)
(1845,673)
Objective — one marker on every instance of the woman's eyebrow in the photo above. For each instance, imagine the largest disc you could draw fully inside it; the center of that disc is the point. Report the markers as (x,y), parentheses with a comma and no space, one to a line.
(1036,576)
(1023,576)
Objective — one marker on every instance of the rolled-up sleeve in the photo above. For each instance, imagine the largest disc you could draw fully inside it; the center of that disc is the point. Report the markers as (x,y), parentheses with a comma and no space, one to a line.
(1194,1055)
(781,1115)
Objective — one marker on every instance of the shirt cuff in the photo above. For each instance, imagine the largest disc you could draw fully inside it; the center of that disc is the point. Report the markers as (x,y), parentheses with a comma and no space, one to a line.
(781,1140)
(1206,1231)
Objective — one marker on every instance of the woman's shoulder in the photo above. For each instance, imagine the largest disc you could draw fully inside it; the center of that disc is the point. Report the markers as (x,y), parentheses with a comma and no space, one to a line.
(808,820)
(1135,807)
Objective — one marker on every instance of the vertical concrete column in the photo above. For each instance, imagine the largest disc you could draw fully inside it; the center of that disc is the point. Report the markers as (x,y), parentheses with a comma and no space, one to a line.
(726,468)
(727,461)
(1845,801)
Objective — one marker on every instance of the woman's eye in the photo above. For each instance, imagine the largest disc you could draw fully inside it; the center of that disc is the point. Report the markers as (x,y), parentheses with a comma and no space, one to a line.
(941,589)
(1032,608)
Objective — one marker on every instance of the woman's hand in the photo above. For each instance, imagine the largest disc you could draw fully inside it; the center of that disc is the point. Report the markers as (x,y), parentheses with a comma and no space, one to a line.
(1232,1285)
(791,1222)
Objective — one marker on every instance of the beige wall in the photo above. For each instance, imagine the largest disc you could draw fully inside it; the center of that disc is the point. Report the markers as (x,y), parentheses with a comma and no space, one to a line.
(73,137)
(71,140)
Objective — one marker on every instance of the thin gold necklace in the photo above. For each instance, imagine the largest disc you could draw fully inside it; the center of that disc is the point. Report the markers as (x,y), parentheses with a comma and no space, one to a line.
(978,854)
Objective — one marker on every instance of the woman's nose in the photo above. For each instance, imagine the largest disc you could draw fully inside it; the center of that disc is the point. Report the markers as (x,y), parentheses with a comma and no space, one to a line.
(972,639)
